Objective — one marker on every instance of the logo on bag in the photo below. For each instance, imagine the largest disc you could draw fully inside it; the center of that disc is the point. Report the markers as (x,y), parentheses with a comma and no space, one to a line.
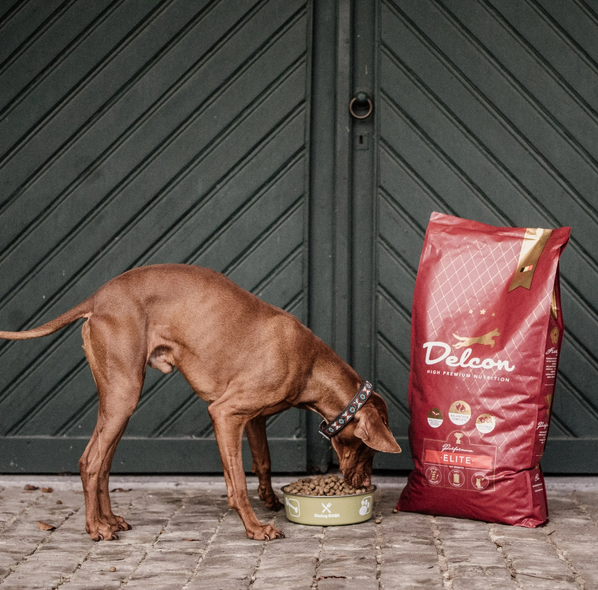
(486,339)
(434,356)
(554,335)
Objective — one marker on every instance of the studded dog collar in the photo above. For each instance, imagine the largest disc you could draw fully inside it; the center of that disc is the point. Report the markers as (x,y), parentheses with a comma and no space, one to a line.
(330,429)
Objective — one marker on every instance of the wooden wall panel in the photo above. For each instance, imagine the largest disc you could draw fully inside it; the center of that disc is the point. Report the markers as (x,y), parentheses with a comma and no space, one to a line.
(488,111)
(138,132)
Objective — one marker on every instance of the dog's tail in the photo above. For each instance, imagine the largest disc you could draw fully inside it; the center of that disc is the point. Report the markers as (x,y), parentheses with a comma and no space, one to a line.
(83,310)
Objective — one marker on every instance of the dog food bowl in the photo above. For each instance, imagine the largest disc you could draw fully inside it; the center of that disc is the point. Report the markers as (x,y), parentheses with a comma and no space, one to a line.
(328,510)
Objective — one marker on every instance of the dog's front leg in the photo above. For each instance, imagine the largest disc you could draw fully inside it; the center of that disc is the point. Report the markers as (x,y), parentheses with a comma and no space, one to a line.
(258,443)
(228,427)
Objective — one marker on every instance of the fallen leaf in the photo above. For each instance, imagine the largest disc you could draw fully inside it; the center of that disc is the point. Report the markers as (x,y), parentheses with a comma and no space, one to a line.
(44,526)
(191,539)
(58,501)
(120,490)
(30,488)
(47,490)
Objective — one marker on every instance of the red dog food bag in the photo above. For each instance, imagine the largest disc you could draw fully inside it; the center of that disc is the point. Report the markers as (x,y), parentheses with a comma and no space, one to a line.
(486,334)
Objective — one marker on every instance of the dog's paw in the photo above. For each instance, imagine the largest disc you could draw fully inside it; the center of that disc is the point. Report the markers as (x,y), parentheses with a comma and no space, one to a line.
(273,504)
(102,532)
(122,524)
(265,532)
(271,501)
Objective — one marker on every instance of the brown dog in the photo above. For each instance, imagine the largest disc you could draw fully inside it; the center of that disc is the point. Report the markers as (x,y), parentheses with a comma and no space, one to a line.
(246,358)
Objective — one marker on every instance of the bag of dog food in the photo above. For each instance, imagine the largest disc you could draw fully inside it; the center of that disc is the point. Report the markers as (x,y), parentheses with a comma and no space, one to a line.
(485,340)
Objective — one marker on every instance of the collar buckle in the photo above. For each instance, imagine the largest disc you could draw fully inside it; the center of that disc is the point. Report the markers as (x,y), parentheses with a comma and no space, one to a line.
(322,430)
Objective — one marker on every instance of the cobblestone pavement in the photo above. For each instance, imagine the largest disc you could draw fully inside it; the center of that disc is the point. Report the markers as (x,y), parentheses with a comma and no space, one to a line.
(185,537)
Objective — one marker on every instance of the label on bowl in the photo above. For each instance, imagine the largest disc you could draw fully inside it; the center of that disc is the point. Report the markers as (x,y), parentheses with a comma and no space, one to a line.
(326,512)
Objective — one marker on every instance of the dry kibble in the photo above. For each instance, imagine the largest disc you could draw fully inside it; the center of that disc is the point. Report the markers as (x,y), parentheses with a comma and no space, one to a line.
(324,486)
(112,569)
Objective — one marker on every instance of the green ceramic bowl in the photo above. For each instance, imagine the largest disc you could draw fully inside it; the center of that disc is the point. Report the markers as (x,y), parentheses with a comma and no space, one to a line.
(329,510)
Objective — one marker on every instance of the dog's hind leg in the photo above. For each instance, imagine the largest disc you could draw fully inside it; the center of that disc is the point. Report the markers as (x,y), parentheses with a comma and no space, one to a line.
(118,369)
(258,443)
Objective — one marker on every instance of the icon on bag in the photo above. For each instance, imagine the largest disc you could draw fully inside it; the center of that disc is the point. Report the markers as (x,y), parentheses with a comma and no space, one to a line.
(485,423)
(459,412)
(480,481)
(433,475)
(435,418)
(456,478)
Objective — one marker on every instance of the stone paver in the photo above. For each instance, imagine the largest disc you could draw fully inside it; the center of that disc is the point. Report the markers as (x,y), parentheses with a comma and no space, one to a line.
(185,537)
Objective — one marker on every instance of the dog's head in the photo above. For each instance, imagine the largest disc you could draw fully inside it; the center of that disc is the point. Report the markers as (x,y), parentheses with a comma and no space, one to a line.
(357,443)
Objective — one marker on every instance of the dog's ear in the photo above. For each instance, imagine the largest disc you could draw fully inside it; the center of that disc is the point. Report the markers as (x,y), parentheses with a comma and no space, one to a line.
(372,426)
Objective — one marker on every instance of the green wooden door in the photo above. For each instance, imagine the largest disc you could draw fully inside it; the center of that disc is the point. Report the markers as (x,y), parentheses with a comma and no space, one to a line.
(134,133)
(487,109)
(218,133)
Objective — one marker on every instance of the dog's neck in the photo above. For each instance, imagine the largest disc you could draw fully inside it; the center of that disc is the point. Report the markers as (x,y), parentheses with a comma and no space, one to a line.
(330,390)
